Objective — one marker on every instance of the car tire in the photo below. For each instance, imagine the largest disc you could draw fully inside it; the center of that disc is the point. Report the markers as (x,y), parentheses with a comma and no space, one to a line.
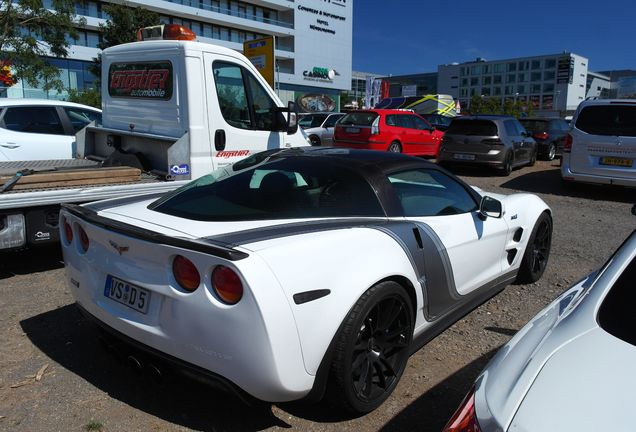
(533,158)
(395,147)
(314,140)
(551,153)
(372,348)
(506,168)
(535,257)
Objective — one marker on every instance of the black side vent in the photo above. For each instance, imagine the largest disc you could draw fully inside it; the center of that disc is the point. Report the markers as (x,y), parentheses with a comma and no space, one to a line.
(518,234)
(512,253)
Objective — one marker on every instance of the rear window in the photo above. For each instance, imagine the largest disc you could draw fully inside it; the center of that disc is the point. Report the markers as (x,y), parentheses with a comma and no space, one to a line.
(472,127)
(279,189)
(148,80)
(535,125)
(360,118)
(614,120)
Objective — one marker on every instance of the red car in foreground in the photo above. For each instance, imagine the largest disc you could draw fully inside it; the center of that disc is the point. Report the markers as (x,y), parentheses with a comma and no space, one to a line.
(400,131)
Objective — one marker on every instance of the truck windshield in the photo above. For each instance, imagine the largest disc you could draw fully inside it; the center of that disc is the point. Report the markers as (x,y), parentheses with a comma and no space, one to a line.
(291,187)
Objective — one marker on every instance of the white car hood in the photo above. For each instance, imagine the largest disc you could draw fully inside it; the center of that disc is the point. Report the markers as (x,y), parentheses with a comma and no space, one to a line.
(586,385)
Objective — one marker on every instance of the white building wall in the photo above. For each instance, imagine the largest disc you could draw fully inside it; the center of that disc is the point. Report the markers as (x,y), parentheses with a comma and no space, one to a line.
(576,90)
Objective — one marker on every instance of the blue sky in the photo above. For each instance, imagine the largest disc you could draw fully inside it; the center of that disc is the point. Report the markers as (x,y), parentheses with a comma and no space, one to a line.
(400,37)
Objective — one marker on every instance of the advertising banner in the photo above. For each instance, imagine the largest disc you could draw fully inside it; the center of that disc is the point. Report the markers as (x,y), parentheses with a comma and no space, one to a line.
(261,53)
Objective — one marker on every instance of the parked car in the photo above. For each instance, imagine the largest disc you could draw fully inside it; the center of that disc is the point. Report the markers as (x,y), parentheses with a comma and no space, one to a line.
(319,127)
(549,133)
(399,131)
(601,145)
(214,278)
(571,368)
(34,129)
(441,122)
(495,141)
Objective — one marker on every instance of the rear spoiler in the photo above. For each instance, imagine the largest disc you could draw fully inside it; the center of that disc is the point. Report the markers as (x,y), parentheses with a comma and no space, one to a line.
(206,246)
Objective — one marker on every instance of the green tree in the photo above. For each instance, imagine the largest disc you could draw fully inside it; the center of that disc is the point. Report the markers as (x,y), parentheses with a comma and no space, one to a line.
(495,105)
(91,97)
(30,31)
(121,28)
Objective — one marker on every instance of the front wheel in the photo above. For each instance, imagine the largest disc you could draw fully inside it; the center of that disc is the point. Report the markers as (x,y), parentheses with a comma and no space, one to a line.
(372,348)
(535,257)
(314,140)
(395,147)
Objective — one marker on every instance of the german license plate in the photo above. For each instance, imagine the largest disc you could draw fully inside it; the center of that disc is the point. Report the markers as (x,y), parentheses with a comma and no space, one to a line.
(462,156)
(622,162)
(133,296)
(352,130)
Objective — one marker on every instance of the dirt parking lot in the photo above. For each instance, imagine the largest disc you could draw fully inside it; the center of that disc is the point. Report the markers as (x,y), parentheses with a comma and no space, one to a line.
(55,376)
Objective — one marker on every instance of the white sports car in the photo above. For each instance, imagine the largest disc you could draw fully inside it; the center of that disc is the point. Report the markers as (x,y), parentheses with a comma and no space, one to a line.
(298,270)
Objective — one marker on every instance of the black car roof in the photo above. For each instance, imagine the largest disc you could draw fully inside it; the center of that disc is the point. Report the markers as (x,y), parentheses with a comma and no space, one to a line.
(484,117)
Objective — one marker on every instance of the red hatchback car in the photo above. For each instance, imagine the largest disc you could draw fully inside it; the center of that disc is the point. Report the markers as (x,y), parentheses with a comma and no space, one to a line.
(400,131)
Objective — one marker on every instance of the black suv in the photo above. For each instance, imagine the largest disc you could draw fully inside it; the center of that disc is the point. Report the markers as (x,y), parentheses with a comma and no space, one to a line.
(549,133)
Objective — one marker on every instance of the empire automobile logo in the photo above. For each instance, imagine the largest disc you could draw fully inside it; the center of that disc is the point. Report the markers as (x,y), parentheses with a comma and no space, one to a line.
(320,74)
(141,80)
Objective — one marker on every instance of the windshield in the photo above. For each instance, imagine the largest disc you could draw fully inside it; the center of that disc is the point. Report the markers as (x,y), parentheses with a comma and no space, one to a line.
(472,127)
(358,118)
(296,187)
(615,120)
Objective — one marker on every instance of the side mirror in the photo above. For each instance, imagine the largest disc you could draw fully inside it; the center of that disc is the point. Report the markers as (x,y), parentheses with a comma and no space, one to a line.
(286,119)
(490,207)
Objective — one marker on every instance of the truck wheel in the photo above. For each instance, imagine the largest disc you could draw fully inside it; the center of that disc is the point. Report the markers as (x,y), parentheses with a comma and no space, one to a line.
(535,258)
(314,140)
(372,348)
(395,147)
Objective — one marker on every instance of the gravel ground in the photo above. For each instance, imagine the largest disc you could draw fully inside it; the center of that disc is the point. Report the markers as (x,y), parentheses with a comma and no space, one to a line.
(54,376)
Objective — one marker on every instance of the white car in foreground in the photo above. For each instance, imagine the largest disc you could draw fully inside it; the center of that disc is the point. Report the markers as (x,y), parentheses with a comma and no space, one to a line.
(300,268)
(571,368)
(41,129)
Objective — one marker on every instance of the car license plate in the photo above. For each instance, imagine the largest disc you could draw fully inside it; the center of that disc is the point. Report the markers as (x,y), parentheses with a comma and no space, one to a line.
(133,296)
(622,162)
(352,130)
(462,156)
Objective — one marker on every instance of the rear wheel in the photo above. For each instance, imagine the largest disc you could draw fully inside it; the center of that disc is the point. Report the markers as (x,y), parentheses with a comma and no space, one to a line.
(506,168)
(535,258)
(314,140)
(372,348)
(395,147)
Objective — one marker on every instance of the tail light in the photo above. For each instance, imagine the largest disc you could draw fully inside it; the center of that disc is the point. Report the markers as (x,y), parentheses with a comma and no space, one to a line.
(465,418)
(567,146)
(375,126)
(227,285)
(68,231)
(84,242)
(541,135)
(185,273)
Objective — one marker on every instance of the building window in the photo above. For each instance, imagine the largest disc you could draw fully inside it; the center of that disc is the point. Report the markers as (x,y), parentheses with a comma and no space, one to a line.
(548,75)
(521,89)
(524,65)
(474,81)
(485,69)
(486,91)
(496,91)
(463,92)
(548,88)
(496,79)
(535,88)
(498,68)
(473,91)
(510,78)
(536,64)
(522,77)
(511,67)
(462,71)
(550,63)
(510,89)
(487,80)
(535,76)
(475,70)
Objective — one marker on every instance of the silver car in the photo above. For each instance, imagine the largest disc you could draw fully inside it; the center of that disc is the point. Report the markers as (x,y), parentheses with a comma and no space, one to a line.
(319,127)
(601,145)
(571,368)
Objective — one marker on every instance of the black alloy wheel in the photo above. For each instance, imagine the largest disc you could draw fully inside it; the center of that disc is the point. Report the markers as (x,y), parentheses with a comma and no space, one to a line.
(373,348)
(535,258)
(314,140)
(395,147)
(506,168)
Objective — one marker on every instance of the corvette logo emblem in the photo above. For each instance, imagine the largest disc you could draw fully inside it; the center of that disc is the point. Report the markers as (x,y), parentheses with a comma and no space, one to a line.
(119,249)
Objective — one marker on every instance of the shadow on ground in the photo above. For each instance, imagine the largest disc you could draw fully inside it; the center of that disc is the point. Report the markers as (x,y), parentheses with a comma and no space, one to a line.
(431,411)
(69,339)
(30,261)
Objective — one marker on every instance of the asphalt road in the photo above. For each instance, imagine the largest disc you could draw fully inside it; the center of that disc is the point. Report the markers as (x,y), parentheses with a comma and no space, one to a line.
(55,376)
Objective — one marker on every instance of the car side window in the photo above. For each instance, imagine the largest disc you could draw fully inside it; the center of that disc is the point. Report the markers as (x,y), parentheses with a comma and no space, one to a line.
(243,101)
(521,131)
(428,192)
(405,121)
(42,120)
(331,121)
(80,117)
(420,124)
(511,130)
(390,120)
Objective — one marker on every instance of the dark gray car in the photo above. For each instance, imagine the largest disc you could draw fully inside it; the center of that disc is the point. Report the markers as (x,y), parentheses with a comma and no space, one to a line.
(495,141)
(549,133)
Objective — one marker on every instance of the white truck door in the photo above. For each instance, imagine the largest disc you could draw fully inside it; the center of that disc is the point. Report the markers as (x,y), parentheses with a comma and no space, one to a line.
(240,110)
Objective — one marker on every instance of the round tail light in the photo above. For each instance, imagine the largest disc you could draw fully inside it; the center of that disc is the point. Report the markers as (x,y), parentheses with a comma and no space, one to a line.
(185,273)
(68,231)
(227,285)
(84,242)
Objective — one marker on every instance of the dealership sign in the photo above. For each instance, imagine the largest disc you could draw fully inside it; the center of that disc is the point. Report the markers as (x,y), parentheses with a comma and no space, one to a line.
(149,80)
(320,74)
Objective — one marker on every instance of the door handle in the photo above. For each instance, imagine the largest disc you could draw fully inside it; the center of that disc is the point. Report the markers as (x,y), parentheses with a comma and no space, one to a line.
(10,145)
(219,140)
